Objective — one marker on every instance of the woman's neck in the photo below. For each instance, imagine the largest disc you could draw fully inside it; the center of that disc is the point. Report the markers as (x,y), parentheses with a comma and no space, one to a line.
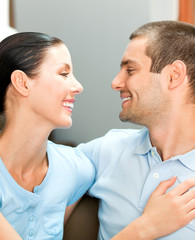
(23,151)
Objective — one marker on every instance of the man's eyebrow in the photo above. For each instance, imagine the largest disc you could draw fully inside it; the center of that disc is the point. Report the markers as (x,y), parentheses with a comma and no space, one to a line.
(126,62)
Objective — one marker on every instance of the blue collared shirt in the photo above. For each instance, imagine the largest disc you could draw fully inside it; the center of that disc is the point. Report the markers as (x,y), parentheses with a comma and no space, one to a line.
(128,169)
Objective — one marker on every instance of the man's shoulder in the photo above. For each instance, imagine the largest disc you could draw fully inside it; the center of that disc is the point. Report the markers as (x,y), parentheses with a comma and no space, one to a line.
(120,138)
(126,133)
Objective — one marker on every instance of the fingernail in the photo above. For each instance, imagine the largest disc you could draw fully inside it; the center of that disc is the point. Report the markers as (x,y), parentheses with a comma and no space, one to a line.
(173,177)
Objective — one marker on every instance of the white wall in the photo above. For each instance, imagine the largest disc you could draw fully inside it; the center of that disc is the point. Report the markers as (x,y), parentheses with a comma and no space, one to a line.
(163,10)
(96,33)
(5,29)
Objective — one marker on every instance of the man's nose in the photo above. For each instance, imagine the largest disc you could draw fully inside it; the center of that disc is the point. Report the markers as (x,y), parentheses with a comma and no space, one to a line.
(118,83)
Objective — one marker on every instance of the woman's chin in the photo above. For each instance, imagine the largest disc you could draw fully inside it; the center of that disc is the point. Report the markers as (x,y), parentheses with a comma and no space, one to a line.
(66,125)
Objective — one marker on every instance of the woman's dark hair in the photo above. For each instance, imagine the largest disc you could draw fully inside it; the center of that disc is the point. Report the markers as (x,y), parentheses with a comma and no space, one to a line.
(23,51)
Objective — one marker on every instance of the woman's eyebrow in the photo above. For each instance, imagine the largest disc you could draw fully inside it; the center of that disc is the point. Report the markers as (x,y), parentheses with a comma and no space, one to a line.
(66,66)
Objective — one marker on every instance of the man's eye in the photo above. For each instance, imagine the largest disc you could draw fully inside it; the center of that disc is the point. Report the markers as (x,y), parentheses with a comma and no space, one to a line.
(130,71)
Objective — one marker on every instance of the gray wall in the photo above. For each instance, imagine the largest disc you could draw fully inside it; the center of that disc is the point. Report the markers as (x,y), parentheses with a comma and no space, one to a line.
(96,33)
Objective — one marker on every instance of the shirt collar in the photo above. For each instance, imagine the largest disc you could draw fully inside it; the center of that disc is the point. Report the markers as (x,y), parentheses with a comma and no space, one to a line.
(188,159)
(144,145)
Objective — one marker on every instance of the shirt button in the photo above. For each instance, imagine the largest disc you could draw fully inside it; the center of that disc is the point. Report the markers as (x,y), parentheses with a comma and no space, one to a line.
(31,233)
(156,175)
(32,218)
(152,153)
(35,190)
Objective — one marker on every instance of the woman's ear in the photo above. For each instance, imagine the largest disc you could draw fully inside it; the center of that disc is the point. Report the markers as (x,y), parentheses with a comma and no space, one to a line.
(19,81)
(178,74)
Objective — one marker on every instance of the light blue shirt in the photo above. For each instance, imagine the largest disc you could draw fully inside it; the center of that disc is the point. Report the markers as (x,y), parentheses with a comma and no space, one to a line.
(128,170)
(40,214)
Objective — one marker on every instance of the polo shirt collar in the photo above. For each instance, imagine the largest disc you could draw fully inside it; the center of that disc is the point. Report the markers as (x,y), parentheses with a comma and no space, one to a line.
(144,145)
(187,159)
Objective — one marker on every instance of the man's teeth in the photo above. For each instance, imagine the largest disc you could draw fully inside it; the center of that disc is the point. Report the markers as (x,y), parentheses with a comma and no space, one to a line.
(68,104)
(127,98)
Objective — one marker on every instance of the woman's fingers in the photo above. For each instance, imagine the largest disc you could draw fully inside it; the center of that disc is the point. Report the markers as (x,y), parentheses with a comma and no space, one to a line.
(172,210)
(163,186)
(183,187)
(188,195)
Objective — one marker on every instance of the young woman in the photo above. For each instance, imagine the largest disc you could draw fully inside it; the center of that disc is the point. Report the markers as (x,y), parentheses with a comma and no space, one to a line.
(39,179)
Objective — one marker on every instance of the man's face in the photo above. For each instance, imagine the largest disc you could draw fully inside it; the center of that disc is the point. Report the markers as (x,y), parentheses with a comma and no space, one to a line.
(141,91)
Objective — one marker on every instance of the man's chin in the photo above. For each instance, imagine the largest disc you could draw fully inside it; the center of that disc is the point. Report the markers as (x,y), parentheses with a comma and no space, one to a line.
(131,119)
(124,118)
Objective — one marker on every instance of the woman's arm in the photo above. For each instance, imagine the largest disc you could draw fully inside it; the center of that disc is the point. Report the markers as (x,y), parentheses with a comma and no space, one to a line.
(69,210)
(164,213)
(7,231)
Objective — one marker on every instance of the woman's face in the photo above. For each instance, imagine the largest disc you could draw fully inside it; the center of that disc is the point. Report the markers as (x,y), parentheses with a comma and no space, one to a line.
(53,91)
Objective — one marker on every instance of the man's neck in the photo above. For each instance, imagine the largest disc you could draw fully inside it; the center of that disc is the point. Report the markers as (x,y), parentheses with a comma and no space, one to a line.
(176,138)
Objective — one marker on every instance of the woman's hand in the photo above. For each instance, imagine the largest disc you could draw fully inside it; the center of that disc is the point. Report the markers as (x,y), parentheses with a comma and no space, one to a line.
(168,212)
(164,212)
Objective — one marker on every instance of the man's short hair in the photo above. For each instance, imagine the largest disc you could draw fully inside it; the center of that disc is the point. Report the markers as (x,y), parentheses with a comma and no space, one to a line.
(169,41)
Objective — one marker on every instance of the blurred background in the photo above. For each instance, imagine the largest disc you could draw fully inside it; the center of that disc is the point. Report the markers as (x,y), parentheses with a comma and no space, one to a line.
(96,32)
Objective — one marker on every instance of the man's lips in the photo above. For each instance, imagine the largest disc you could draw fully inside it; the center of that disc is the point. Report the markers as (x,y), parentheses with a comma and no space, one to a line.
(126,99)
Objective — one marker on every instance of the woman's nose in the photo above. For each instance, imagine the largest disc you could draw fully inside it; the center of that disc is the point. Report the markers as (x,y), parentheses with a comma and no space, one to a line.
(76,86)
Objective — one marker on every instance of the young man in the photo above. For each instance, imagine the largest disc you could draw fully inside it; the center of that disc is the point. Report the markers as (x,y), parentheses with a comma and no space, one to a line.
(157,87)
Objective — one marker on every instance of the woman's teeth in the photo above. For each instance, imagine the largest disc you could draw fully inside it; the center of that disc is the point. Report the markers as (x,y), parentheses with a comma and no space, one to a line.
(68,104)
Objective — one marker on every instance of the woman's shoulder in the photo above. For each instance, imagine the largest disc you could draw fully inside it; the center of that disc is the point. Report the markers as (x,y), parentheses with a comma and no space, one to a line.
(67,154)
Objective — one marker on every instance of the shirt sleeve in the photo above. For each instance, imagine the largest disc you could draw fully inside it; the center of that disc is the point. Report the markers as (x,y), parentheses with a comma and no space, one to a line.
(85,175)
(91,150)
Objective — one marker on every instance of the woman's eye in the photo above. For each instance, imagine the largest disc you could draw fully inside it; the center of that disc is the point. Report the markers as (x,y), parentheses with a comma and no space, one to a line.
(64,74)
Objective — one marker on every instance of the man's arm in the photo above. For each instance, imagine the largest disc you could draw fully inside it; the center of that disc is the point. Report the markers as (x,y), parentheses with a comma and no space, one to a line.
(7,231)
(164,213)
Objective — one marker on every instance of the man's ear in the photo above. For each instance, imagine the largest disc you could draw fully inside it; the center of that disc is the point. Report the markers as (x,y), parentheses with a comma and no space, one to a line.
(19,81)
(177,73)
